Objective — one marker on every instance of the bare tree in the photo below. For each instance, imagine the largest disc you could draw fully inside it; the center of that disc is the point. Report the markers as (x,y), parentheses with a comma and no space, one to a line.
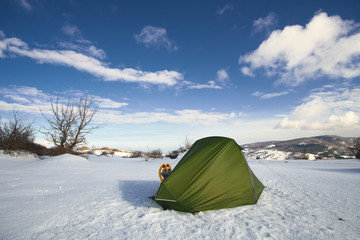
(70,123)
(354,148)
(16,134)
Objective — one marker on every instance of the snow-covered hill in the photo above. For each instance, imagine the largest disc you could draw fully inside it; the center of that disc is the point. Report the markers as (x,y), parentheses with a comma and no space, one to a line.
(69,197)
(320,147)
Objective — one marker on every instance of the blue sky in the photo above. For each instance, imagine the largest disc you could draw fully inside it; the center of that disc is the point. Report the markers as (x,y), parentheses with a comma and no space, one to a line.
(164,71)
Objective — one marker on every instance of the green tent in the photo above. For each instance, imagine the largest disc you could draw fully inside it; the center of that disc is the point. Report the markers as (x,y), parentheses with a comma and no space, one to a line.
(213,174)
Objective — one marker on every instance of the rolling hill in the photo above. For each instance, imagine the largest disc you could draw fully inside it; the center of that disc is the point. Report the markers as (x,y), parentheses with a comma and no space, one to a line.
(319,147)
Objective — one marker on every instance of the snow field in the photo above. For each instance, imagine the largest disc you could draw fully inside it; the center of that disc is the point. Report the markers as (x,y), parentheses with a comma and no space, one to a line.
(69,197)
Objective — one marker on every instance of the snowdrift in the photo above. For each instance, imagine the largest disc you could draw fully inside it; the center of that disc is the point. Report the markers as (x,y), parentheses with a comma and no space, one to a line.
(66,158)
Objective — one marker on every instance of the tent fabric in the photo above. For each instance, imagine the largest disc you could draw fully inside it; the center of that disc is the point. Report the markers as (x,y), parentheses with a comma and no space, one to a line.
(213,174)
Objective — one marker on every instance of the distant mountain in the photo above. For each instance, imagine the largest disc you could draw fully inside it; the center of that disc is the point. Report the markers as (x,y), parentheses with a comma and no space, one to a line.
(320,147)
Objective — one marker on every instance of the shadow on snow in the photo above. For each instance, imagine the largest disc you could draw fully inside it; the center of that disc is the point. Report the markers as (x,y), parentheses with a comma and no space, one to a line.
(340,170)
(137,193)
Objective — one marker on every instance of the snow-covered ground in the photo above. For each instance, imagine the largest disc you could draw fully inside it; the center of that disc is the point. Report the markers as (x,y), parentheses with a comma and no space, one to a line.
(70,197)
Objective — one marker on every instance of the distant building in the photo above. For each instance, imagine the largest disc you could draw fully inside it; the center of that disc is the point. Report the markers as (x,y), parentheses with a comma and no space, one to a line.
(121,153)
(310,156)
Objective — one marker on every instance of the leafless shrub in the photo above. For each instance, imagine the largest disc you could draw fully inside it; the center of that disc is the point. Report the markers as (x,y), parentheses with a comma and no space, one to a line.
(157,153)
(16,134)
(70,123)
(175,153)
(136,154)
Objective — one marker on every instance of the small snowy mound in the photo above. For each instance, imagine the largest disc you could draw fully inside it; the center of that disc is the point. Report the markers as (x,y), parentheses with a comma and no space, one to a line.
(66,158)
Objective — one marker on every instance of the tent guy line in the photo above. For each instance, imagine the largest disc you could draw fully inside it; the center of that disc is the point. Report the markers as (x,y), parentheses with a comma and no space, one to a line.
(303,192)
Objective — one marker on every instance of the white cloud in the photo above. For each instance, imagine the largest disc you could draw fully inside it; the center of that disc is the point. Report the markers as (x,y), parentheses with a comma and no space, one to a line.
(222,10)
(155,37)
(108,103)
(270,95)
(6,106)
(2,34)
(187,116)
(25,94)
(22,94)
(78,43)
(25,4)
(32,100)
(84,47)
(257,94)
(24,99)
(17,99)
(28,91)
(209,85)
(88,64)
(6,42)
(222,76)
(266,23)
(330,108)
(247,71)
(326,46)
(70,29)
(99,53)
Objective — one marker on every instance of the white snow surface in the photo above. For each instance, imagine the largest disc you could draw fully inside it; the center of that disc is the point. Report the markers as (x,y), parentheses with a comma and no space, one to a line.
(70,197)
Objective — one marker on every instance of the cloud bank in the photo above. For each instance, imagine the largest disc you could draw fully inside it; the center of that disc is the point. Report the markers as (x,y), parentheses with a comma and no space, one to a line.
(328,108)
(31,100)
(88,64)
(325,47)
(192,117)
